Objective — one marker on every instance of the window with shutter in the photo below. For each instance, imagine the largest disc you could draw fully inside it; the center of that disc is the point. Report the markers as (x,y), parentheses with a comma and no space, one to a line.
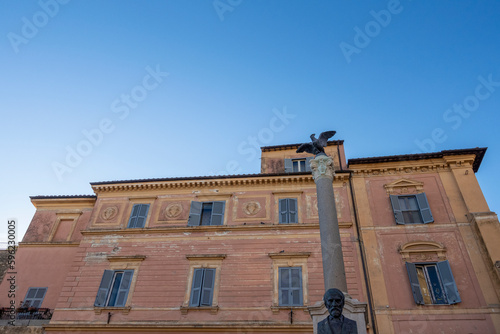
(298,165)
(432,283)
(287,211)
(290,286)
(34,297)
(206,213)
(202,289)
(114,288)
(138,216)
(411,209)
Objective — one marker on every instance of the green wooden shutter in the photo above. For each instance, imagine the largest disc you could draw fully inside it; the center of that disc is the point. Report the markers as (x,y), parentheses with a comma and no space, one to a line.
(218,213)
(284,286)
(102,293)
(397,209)
(308,164)
(424,207)
(196,287)
(415,286)
(133,216)
(29,297)
(123,290)
(288,166)
(296,286)
(283,211)
(141,215)
(448,281)
(34,297)
(195,213)
(207,287)
(292,210)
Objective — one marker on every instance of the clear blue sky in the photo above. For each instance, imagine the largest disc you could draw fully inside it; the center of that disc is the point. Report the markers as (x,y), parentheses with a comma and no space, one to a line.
(390,77)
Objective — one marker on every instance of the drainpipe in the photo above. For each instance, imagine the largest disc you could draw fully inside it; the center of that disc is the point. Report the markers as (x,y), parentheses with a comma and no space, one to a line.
(362,254)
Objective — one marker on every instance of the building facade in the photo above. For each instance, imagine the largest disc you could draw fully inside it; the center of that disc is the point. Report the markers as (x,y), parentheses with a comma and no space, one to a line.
(242,254)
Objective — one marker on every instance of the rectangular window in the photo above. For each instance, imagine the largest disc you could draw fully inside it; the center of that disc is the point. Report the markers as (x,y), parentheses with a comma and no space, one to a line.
(288,211)
(206,213)
(34,297)
(114,288)
(290,286)
(411,209)
(297,165)
(138,216)
(432,283)
(202,289)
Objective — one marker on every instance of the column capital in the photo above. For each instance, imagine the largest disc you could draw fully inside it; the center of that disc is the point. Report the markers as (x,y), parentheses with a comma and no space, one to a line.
(322,167)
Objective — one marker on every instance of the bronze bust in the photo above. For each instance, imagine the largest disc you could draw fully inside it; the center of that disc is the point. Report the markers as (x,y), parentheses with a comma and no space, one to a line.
(336,323)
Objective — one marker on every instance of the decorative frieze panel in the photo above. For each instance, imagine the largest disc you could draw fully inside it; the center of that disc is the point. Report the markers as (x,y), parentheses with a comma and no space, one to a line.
(404,186)
(251,208)
(109,213)
(173,211)
(400,170)
(423,251)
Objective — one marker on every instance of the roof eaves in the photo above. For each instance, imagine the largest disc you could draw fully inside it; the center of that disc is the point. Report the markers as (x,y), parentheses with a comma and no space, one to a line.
(196,178)
(478,152)
(62,196)
(291,146)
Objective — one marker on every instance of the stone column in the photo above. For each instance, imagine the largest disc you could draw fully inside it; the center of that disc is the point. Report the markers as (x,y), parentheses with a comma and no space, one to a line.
(331,247)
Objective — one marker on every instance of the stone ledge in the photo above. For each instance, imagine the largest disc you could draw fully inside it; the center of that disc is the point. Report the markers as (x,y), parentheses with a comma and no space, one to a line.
(124,310)
(277,309)
(212,309)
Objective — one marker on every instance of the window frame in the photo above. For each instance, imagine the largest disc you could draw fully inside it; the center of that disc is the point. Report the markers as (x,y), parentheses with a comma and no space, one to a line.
(284,212)
(34,298)
(290,288)
(202,289)
(136,216)
(289,164)
(203,261)
(108,281)
(283,260)
(445,278)
(424,209)
(196,213)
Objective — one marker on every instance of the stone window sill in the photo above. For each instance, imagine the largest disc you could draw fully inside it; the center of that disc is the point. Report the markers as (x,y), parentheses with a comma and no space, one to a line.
(276,309)
(212,309)
(124,310)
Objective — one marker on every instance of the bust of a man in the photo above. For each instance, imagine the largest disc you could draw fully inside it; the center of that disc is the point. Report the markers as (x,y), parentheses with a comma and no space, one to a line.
(336,323)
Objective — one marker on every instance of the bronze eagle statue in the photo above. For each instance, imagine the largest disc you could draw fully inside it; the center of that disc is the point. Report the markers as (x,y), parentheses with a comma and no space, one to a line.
(317,144)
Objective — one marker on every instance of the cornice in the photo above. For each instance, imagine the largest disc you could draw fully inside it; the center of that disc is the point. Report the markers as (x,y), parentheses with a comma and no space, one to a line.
(296,146)
(203,229)
(49,244)
(474,156)
(124,258)
(207,327)
(213,257)
(58,202)
(287,255)
(259,180)
(399,168)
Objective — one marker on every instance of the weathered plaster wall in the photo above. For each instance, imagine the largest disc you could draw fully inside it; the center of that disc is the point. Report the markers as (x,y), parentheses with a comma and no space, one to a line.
(444,187)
